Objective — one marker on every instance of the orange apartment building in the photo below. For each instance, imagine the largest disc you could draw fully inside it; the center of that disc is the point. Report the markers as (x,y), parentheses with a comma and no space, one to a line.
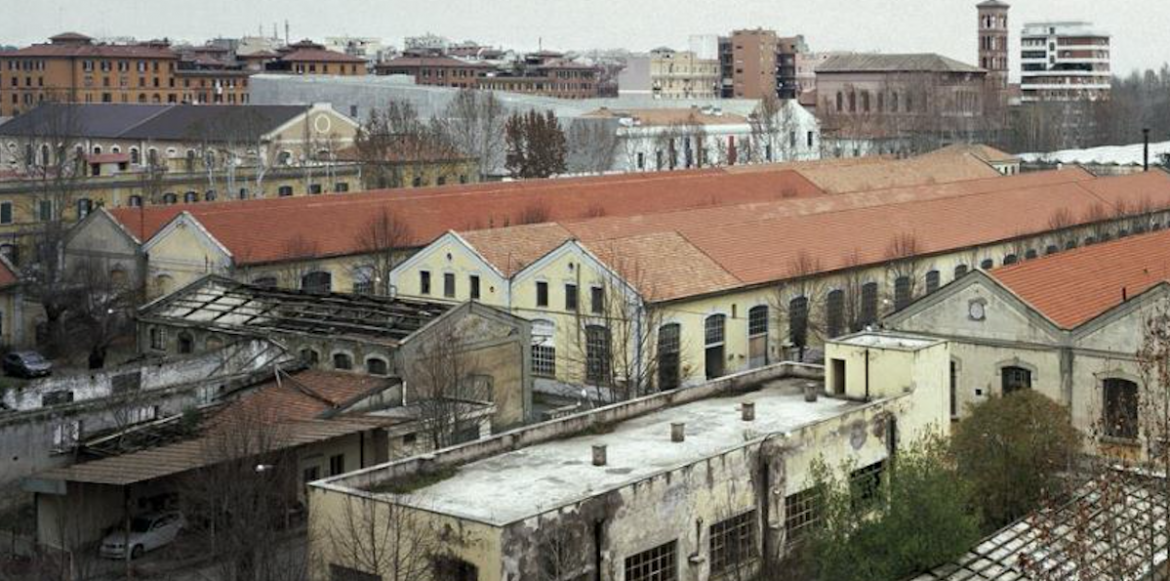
(73,68)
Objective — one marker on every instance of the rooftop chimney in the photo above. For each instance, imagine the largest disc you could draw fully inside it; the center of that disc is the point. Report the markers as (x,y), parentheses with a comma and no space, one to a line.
(678,432)
(749,411)
(599,455)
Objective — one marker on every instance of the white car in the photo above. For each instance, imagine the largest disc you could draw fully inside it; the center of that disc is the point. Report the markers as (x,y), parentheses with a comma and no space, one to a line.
(147,533)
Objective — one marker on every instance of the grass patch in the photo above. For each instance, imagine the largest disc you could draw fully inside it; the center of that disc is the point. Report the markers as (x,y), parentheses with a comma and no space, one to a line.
(408,484)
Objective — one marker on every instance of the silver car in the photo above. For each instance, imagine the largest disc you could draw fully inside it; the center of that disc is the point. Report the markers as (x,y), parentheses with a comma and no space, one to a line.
(147,533)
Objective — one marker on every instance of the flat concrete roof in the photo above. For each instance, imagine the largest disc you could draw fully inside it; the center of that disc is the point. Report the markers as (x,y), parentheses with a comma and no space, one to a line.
(515,485)
(885,340)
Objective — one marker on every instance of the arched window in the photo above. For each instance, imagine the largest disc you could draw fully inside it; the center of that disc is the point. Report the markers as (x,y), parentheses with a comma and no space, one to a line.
(1010,259)
(310,357)
(377,366)
(1121,408)
(835,313)
(84,207)
(597,355)
(284,191)
(417,182)
(1030,254)
(342,361)
(714,333)
(1070,244)
(135,201)
(170,198)
(987,264)
(544,348)
(798,322)
(186,343)
(933,281)
(840,101)
(669,348)
(869,304)
(1052,249)
(960,271)
(364,276)
(209,196)
(158,338)
(190,197)
(865,101)
(135,156)
(317,282)
(1090,241)
(903,292)
(1013,379)
(758,336)
(852,102)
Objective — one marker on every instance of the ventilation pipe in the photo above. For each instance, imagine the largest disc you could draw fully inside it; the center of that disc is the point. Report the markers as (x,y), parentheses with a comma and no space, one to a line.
(749,411)
(678,432)
(599,458)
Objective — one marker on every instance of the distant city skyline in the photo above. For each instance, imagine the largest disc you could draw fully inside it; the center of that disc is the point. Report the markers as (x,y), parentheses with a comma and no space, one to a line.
(943,26)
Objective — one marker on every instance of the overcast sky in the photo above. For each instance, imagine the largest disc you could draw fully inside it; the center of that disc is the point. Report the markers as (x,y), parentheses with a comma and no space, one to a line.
(1140,28)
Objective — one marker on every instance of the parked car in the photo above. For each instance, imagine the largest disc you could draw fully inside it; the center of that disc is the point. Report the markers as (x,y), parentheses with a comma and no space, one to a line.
(26,364)
(147,533)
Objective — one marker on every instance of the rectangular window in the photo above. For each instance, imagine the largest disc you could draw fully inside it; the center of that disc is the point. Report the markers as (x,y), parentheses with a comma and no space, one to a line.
(315,188)
(544,360)
(597,299)
(57,397)
(337,464)
(6,213)
(473,284)
(449,285)
(66,435)
(866,482)
(424,282)
(801,514)
(733,543)
(45,211)
(657,564)
(541,294)
(570,297)
(310,474)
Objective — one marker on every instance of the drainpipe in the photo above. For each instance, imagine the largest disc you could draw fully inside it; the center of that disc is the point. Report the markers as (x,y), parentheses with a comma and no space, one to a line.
(867,374)
(597,530)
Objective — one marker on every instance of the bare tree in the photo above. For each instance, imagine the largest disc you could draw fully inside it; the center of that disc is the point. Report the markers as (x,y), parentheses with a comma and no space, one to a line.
(799,304)
(535,144)
(774,131)
(102,310)
(382,538)
(449,385)
(904,267)
(53,159)
(562,553)
(291,273)
(237,506)
(592,145)
(395,143)
(382,240)
(474,123)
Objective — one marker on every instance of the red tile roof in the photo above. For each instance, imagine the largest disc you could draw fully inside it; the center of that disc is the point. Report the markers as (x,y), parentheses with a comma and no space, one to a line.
(320,55)
(1074,287)
(760,243)
(93,51)
(304,395)
(260,231)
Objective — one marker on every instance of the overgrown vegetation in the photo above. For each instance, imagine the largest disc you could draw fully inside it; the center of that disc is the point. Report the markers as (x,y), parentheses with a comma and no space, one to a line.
(1012,450)
(915,517)
(414,482)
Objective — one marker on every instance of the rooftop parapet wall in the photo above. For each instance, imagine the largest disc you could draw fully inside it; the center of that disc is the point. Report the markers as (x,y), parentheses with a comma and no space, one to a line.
(362,481)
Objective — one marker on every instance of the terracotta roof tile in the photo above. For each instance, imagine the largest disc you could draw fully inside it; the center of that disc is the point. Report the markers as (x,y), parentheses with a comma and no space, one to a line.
(305,395)
(663,265)
(1072,288)
(320,55)
(512,249)
(270,230)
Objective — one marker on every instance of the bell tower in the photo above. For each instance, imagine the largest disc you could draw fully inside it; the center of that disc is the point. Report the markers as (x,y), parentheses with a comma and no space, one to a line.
(993,41)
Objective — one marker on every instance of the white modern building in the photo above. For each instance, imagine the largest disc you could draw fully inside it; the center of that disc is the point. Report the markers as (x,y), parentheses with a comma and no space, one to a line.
(1064,61)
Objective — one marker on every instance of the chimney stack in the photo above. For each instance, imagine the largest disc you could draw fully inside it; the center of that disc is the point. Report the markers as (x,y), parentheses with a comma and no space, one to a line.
(678,432)
(749,411)
(1146,149)
(599,458)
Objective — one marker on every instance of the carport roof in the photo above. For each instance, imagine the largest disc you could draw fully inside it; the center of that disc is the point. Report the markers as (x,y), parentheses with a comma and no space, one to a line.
(193,454)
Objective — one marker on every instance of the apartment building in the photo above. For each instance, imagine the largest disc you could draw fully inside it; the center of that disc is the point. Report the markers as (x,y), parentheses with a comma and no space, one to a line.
(1064,62)
(749,58)
(789,61)
(669,74)
(71,67)
(74,68)
(543,73)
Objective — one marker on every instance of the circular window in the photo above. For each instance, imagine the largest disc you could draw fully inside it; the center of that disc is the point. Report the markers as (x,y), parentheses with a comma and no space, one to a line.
(322,124)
